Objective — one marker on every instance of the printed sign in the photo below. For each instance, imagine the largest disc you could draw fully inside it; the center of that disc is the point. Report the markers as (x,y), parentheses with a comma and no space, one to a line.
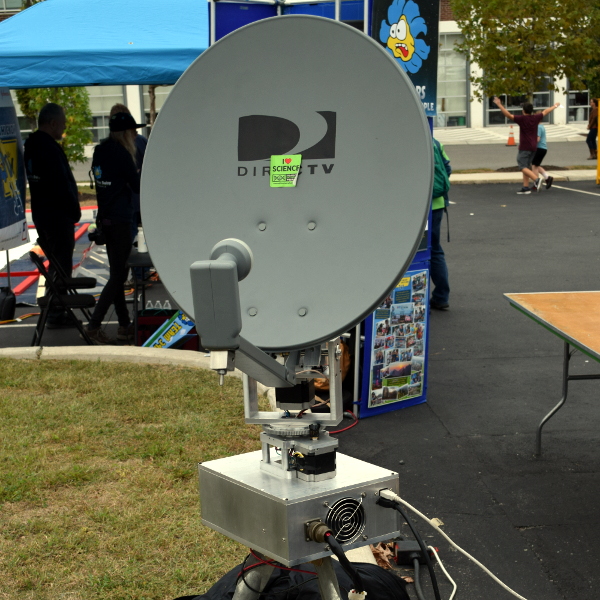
(408,30)
(285,170)
(173,333)
(398,348)
(13,225)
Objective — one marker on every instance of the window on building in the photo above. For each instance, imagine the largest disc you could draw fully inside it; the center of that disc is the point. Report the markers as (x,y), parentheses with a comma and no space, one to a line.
(541,99)
(579,106)
(102,99)
(162,92)
(11,5)
(452,86)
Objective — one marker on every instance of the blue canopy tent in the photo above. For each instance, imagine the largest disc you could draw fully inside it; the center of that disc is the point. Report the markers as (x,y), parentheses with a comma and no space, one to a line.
(60,43)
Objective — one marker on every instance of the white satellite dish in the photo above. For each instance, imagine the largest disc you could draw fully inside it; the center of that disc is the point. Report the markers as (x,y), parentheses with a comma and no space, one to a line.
(326,252)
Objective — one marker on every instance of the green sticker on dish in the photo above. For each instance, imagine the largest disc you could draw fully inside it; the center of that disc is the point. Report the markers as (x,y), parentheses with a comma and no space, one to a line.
(285,170)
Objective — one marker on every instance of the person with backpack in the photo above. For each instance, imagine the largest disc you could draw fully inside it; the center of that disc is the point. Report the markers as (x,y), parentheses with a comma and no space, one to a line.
(440,296)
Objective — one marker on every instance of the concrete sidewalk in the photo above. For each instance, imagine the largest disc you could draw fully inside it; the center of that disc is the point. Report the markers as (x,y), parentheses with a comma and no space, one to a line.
(517,178)
(499,134)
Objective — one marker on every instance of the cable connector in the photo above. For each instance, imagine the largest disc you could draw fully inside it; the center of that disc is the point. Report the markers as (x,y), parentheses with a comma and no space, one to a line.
(387,494)
(354,595)
(407,551)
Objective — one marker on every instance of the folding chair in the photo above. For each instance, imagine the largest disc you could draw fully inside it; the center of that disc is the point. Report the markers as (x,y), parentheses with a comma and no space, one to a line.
(66,279)
(55,298)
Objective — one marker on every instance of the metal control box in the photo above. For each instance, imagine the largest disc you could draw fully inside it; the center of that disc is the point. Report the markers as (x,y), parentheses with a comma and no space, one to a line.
(269,513)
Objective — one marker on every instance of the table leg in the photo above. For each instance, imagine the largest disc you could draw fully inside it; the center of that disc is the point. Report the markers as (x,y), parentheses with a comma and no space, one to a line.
(565,385)
(566,378)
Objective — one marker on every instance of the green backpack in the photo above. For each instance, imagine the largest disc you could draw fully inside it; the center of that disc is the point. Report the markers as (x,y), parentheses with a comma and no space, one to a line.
(441,181)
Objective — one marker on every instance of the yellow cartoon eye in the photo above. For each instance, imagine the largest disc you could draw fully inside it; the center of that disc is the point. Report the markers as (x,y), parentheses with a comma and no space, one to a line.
(393,30)
(401,30)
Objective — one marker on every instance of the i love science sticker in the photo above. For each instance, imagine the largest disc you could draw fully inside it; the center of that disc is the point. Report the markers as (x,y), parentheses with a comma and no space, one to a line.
(285,170)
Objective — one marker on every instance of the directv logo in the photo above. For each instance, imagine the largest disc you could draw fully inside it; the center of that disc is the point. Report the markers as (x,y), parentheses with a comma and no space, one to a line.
(262,136)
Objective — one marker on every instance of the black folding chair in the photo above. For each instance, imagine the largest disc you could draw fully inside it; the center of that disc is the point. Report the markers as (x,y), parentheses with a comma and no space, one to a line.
(66,280)
(60,296)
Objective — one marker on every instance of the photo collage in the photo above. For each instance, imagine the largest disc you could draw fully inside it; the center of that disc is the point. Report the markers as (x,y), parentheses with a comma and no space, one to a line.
(398,347)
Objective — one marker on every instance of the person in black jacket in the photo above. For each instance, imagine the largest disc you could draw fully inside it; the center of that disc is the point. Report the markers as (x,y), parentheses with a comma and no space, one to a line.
(54,196)
(117,178)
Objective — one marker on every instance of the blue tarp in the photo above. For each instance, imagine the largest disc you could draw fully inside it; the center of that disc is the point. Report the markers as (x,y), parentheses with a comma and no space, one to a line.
(101,42)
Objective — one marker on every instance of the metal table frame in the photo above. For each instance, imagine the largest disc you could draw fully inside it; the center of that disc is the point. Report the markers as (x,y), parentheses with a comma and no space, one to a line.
(570,346)
(565,389)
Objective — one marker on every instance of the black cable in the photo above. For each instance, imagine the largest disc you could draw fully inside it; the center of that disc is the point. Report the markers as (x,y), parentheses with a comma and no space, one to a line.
(337,549)
(242,573)
(418,589)
(424,550)
(245,569)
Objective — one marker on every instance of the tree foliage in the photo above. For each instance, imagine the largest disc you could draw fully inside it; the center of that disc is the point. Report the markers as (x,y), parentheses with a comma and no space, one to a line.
(75,101)
(518,44)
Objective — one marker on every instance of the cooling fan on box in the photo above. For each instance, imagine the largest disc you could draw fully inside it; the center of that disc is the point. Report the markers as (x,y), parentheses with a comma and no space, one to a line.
(346,518)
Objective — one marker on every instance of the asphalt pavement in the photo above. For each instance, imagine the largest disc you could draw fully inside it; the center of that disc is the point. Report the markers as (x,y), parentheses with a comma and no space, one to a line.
(466,456)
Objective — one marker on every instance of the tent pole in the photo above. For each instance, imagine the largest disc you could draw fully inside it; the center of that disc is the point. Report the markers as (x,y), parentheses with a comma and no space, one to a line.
(366,17)
(338,10)
(8,270)
(212,22)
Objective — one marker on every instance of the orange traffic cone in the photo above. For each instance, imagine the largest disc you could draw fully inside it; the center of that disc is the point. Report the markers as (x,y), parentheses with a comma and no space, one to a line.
(511,138)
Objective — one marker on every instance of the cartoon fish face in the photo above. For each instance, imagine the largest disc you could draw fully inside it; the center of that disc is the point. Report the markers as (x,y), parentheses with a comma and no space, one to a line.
(97,172)
(401,42)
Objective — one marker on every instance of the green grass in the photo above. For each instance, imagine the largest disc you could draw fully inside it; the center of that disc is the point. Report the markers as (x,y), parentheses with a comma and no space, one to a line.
(98,479)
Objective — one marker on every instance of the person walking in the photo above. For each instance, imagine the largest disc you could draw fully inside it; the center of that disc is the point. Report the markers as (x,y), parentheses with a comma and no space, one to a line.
(592,136)
(117,178)
(440,297)
(527,123)
(54,197)
(538,157)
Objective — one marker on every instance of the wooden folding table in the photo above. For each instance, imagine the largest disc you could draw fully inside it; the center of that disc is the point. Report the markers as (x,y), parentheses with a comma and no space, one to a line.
(572,316)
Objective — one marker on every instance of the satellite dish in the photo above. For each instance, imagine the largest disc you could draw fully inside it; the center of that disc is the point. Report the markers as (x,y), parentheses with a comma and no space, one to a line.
(326,252)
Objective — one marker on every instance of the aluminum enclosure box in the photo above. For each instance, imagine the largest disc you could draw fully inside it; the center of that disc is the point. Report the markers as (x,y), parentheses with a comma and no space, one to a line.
(268,513)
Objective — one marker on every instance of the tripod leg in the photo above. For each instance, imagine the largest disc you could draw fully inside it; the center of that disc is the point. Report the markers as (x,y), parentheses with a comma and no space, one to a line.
(253,579)
(328,584)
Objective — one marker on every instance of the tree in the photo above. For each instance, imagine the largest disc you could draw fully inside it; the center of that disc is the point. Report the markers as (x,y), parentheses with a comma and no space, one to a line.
(519,44)
(75,101)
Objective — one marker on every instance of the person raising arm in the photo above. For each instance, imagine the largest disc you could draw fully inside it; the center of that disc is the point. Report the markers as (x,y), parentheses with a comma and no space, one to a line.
(528,123)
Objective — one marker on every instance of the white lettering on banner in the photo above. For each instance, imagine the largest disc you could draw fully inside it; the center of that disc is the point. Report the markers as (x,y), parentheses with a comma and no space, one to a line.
(421,91)
(7,129)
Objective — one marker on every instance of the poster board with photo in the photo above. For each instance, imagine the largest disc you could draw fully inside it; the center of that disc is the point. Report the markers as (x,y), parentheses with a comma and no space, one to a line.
(395,348)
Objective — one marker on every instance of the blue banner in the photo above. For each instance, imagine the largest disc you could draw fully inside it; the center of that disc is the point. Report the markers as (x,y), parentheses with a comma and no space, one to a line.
(408,30)
(13,225)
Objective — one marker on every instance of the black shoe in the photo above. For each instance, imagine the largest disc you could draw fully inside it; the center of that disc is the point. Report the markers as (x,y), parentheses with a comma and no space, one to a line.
(439,305)
(524,190)
(99,337)
(62,322)
(549,182)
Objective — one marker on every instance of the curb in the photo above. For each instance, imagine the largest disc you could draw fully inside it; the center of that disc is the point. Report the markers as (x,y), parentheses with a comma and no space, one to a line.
(130,354)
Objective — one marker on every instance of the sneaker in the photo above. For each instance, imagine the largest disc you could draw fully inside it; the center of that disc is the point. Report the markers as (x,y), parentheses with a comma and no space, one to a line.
(549,182)
(125,333)
(538,184)
(439,305)
(524,190)
(99,337)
